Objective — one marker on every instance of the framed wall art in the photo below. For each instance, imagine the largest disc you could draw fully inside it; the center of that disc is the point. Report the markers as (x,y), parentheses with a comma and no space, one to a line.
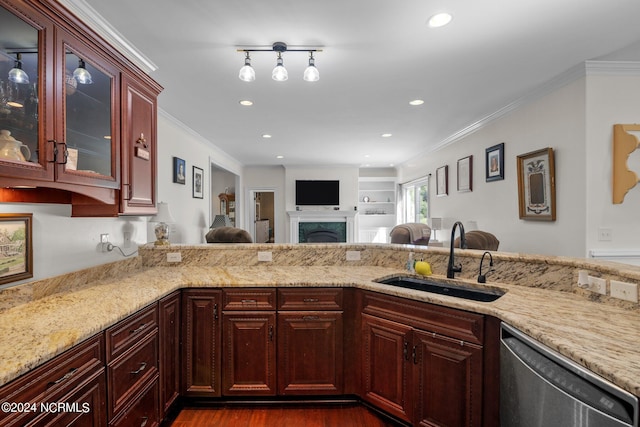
(179,171)
(537,185)
(442,181)
(465,174)
(494,163)
(16,250)
(198,183)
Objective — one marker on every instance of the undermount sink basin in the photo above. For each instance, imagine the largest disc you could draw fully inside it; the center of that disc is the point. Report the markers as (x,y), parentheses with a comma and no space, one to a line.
(453,290)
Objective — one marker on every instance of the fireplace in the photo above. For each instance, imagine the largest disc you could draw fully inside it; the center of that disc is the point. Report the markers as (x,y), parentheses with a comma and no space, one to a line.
(321,226)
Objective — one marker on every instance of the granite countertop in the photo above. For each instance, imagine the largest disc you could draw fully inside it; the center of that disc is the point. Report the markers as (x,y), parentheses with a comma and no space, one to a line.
(600,337)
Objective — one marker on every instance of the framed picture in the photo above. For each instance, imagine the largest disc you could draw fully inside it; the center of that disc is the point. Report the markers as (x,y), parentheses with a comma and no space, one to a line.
(179,171)
(198,183)
(494,163)
(442,181)
(465,174)
(16,250)
(537,185)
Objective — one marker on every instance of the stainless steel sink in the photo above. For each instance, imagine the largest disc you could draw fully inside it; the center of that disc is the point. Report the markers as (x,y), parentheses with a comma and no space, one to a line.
(454,290)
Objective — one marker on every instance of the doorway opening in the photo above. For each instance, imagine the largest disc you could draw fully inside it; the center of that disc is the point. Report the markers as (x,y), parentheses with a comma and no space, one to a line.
(264,221)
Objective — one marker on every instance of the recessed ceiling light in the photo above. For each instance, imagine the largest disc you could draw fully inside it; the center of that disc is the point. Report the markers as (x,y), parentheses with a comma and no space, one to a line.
(440,20)
(416,102)
(246,103)
(279,156)
(386,135)
(266,135)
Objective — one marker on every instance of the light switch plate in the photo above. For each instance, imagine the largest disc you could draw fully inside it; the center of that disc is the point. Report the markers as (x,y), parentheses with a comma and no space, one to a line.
(624,290)
(265,256)
(174,257)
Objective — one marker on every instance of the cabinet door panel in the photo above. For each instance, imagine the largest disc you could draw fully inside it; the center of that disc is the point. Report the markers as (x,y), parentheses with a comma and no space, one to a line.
(449,381)
(386,376)
(310,353)
(249,353)
(201,352)
(169,346)
(139,149)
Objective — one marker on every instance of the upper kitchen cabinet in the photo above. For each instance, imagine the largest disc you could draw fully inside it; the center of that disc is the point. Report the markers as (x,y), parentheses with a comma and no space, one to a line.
(77,119)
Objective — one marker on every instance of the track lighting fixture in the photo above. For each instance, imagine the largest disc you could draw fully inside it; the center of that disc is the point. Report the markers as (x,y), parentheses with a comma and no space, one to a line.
(17,74)
(81,74)
(311,73)
(247,73)
(279,73)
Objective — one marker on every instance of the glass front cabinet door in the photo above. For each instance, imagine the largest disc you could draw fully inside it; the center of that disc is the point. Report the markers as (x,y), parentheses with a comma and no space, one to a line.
(72,128)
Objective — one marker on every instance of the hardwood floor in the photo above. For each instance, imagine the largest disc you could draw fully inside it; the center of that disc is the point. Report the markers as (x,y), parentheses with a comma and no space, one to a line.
(290,416)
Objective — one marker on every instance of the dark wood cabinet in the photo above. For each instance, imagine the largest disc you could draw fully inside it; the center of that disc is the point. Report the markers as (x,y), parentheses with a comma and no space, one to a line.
(201,353)
(132,364)
(249,342)
(425,363)
(170,321)
(77,377)
(310,341)
(448,381)
(91,144)
(387,369)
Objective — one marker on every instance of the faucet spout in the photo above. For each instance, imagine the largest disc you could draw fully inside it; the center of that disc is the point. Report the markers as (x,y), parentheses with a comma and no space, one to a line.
(482,278)
(451,267)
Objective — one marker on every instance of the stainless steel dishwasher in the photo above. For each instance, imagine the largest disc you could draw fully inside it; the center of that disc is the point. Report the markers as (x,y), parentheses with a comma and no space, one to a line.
(541,388)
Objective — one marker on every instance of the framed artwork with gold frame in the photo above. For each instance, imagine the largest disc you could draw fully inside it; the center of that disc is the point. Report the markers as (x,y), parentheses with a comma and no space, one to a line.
(537,185)
(16,249)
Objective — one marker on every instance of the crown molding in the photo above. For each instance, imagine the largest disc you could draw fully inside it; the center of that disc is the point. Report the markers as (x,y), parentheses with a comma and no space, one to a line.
(612,68)
(100,25)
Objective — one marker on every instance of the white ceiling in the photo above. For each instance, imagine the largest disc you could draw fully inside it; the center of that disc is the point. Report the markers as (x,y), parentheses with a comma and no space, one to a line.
(377,56)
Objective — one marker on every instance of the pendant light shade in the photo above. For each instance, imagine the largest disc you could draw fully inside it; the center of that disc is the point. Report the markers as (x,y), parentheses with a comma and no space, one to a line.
(311,73)
(17,74)
(81,74)
(279,73)
(247,73)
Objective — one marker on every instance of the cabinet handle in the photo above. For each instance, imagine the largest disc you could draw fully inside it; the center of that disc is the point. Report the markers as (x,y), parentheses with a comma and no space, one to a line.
(55,149)
(310,318)
(64,377)
(215,311)
(249,301)
(311,300)
(138,329)
(406,351)
(65,152)
(129,195)
(415,354)
(143,365)
(271,333)
(144,422)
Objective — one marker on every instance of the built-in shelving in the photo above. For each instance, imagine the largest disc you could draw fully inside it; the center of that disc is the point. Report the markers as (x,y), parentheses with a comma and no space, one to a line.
(376,208)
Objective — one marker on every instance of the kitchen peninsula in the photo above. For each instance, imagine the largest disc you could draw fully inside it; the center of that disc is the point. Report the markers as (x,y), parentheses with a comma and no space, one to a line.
(43,319)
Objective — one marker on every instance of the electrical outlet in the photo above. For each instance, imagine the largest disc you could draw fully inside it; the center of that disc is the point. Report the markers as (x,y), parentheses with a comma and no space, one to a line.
(127,239)
(605,234)
(624,290)
(174,257)
(353,255)
(598,285)
(265,256)
(104,242)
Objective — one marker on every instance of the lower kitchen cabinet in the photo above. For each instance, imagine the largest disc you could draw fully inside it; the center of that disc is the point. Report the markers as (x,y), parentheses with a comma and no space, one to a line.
(201,342)
(386,364)
(75,378)
(249,342)
(425,363)
(170,321)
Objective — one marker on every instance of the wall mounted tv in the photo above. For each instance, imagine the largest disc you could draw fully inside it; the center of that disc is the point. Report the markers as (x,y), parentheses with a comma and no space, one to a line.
(317,193)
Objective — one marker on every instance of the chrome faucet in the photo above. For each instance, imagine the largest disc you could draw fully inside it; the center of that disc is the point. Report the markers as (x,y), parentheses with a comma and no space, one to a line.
(452,268)
(482,278)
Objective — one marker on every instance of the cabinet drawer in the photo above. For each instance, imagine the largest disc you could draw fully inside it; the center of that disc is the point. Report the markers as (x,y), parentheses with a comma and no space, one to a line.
(53,380)
(127,373)
(321,299)
(123,335)
(143,411)
(249,299)
(450,322)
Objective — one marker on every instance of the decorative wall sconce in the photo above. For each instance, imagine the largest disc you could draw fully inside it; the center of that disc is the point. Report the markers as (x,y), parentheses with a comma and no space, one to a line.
(280,74)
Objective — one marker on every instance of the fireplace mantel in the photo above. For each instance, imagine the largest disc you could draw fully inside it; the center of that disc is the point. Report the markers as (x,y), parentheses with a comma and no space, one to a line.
(296,217)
